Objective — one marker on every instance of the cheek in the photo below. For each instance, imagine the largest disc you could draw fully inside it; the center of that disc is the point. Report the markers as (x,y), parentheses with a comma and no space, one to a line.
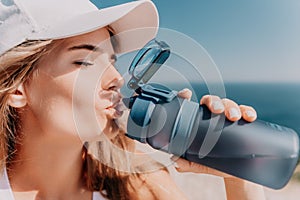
(50,101)
(58,108)
(92,119)
(69,104)
(89,118)
(90,113)
(88,110)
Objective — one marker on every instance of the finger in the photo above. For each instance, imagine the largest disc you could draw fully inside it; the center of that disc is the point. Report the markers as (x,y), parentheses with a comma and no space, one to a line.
(232,110)
(213,103)
(248,113)
(185,93)
(183,165)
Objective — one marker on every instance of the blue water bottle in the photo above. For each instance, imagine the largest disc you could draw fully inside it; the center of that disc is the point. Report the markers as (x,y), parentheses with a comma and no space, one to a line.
(260,151)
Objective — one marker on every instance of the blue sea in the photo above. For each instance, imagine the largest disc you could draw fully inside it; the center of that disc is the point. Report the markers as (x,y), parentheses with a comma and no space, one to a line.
(274,102)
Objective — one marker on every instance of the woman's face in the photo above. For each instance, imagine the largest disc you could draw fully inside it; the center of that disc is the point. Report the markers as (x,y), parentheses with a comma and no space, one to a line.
(75,89)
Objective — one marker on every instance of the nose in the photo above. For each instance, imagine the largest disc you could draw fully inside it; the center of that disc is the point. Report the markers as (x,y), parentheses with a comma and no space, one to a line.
(112,79)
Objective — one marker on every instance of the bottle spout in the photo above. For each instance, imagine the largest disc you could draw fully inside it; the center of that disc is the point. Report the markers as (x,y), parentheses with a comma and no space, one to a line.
(128,102)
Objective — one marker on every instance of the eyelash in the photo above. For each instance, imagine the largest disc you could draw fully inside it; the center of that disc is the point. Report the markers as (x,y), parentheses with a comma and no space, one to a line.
(83,63)
(86,64)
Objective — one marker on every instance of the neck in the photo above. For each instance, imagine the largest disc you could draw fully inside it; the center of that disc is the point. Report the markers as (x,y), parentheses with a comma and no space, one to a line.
(47,165)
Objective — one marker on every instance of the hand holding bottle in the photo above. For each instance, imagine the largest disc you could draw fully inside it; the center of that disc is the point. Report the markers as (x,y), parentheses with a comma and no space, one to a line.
(236,188)
(232,111)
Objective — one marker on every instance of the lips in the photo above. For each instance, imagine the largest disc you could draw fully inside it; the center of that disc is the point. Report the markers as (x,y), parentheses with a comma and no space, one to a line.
(114,103)
(114,112)
(111,98)
(116,106)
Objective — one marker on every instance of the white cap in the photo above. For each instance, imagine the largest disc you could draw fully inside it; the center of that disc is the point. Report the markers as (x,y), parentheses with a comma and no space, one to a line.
(22,20)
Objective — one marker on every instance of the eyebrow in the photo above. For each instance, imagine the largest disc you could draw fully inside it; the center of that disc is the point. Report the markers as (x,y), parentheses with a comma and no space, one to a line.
(88,47)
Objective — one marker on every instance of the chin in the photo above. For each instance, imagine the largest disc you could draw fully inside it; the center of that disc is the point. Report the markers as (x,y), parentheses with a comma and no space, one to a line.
(112,130)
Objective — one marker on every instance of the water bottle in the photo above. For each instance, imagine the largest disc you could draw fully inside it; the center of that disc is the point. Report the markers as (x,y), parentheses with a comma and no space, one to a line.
(259,151)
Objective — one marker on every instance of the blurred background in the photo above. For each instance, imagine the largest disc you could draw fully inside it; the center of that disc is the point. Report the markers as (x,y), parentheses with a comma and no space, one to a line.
(256,47)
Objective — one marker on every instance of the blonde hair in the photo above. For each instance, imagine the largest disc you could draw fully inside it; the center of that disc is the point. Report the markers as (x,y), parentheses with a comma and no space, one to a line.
(17,66)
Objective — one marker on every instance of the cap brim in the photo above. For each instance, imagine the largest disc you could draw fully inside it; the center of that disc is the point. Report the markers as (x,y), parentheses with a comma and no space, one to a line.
(134,23)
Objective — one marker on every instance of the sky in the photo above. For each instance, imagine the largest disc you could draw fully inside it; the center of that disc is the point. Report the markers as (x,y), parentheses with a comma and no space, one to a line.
(249,41)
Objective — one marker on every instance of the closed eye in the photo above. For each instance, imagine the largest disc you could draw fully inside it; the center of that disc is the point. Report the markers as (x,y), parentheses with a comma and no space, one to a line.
(83,63)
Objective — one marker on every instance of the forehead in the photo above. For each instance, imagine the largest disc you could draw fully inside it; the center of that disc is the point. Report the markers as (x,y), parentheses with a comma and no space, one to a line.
(99,38)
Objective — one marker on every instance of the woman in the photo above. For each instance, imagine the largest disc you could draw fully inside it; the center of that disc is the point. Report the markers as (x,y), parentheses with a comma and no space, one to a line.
(59,138)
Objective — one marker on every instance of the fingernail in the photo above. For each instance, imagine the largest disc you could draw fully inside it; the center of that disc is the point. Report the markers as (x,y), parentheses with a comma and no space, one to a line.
(217,105)
(250,113)
(234,113)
